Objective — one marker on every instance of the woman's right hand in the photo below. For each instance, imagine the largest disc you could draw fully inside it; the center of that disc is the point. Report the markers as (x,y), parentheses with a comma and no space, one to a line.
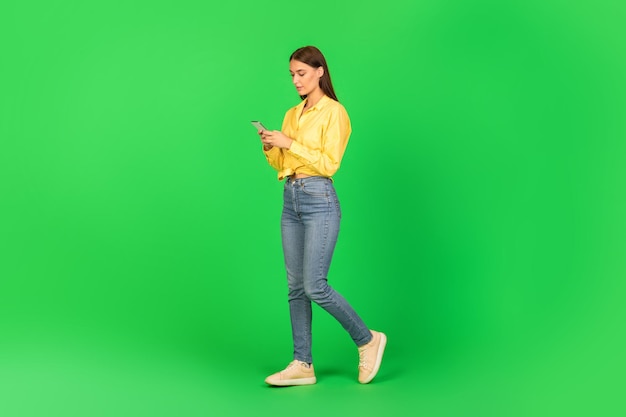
(276,138)
(266,146)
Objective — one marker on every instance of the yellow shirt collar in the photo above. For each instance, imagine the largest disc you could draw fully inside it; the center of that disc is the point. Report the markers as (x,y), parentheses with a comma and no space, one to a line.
(322,101)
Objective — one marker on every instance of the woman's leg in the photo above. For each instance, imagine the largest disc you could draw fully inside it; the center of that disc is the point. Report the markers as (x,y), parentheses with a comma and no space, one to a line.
(292,231)
(321,214)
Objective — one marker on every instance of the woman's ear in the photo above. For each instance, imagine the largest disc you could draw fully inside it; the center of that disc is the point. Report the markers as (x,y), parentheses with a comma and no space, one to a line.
(320,72)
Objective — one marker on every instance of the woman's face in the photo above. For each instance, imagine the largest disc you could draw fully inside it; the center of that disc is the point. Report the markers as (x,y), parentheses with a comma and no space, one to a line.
(305,78)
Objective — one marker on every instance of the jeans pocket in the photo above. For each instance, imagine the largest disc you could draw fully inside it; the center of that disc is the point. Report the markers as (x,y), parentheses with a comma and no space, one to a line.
(315,188)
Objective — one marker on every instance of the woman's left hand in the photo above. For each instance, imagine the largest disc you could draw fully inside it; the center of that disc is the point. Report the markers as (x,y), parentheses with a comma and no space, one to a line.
(276,138)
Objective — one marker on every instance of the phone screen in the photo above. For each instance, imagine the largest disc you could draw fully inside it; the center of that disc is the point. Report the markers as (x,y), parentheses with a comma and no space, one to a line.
(258,125)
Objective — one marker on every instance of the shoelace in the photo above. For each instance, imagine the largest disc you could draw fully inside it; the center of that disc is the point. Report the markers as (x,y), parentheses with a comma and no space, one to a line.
(291,365)
(362,358)
(294,363)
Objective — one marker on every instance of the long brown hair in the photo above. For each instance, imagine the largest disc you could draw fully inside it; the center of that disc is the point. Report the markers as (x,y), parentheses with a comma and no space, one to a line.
(313,57)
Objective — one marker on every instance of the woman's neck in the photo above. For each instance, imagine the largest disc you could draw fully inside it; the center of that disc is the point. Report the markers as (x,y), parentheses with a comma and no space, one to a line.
(313,98)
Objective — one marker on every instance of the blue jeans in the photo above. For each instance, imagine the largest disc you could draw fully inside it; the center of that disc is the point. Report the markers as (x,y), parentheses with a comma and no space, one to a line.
(309,227)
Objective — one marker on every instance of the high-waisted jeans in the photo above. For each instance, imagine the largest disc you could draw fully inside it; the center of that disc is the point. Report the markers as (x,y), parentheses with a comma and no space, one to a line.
(309,227)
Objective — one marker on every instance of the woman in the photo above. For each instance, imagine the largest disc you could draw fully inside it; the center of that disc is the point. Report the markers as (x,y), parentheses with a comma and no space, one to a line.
(307,152)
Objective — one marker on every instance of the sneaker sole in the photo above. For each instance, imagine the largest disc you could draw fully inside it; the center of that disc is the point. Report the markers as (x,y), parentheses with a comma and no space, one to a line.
(292,382)
(379,358)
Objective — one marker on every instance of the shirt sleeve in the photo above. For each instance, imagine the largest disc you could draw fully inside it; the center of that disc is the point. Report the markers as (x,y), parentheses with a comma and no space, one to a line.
(274,158)
(335,135)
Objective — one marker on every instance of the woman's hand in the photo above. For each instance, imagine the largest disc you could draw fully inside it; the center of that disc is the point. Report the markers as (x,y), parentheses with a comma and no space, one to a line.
(271,138)
(265,146)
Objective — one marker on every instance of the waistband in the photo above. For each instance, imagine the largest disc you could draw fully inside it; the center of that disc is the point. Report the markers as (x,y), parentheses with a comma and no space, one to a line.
(303,180)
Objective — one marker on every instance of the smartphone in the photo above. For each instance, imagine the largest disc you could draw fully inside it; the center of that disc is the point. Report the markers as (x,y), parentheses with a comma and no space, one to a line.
(258,125)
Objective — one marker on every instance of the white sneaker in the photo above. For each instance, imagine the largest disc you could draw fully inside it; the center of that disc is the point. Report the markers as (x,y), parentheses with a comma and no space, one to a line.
(296,373)
(370,357)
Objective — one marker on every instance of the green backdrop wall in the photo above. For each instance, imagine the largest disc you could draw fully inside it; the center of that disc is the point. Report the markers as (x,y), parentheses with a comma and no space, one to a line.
(482,194)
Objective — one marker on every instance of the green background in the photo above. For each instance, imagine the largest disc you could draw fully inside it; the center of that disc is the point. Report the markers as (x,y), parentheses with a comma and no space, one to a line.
(482,191)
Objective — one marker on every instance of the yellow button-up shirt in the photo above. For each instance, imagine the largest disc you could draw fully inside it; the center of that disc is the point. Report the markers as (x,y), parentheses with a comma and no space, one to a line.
(320,136)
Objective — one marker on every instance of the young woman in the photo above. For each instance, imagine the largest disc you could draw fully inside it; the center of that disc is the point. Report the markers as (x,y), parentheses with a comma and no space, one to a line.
(307,152)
